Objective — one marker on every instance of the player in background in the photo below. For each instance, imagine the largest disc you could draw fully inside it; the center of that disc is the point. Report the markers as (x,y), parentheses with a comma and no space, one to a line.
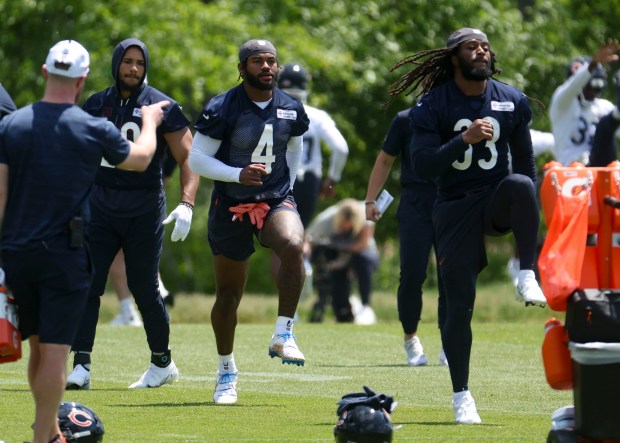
(415,232)
(6,103)
(577,109)
(128,315)
(249,141)
(464,129)
(50,152)
(129,210)
(310,183)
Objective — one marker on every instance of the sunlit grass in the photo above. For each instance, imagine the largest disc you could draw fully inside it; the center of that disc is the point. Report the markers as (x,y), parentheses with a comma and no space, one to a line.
(283,403)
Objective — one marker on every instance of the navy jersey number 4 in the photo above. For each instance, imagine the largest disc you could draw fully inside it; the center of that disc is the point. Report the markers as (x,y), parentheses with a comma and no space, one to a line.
(250,134)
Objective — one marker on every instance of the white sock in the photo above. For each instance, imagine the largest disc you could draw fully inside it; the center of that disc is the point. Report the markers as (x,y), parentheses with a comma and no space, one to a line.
(284,325)
(162,289)
(459,395)
(127,306)
(525,274)
(226,363)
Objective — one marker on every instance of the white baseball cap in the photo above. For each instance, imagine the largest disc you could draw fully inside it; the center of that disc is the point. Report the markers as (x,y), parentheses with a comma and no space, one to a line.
(68,58)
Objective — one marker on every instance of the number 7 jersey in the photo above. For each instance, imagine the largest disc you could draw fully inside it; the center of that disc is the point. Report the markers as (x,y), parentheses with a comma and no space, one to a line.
(438,150)
(250,134)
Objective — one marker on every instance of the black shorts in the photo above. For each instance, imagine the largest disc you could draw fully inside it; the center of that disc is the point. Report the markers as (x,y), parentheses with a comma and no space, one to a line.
(50,287)
(235,239)
(460,227)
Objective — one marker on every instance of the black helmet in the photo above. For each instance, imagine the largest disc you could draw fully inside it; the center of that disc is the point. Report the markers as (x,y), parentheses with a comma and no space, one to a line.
(598,79)
(79,424)
(364,418)
(293,76)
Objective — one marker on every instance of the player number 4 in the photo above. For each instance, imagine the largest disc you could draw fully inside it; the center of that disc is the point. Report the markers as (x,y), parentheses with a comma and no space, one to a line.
(263,153)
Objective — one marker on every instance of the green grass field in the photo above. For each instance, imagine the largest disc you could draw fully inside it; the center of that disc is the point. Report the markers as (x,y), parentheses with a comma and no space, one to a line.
(284,403)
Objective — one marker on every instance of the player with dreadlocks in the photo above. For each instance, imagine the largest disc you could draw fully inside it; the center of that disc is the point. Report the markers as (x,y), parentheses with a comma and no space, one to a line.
(464,128)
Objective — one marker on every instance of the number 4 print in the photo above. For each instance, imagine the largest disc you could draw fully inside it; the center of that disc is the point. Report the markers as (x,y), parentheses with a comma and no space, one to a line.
(264,149)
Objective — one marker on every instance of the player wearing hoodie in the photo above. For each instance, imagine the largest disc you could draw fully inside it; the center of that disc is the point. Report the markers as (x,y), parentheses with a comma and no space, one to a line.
(129,212)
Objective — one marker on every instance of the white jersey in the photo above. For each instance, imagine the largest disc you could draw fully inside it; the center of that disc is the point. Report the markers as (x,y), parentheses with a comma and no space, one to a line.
(542,142)
(322,128)
(574,119)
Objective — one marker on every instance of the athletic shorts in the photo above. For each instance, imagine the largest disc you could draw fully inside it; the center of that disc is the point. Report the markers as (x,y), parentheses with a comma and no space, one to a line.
(50,286)
(235,239)
(460,227)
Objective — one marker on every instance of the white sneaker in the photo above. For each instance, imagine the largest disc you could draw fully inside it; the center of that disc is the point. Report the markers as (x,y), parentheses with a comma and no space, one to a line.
(123,319)
(356,305)
(465,408)
(528,290)
(365,317)
(415,352)
(513,267)
(285,347)
(155,376)
(443,360)
(79,379)
(225,389)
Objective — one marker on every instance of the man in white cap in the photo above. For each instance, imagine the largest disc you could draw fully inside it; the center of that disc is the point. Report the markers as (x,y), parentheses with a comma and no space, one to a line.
(49,154)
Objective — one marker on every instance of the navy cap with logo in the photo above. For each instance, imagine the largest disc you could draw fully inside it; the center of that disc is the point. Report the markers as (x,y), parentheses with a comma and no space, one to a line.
(255,46)
(466,34)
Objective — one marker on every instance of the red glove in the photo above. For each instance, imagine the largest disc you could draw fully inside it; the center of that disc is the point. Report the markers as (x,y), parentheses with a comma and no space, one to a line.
(256,211)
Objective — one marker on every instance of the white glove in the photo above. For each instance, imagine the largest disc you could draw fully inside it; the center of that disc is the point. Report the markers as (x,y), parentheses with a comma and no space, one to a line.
(183,216)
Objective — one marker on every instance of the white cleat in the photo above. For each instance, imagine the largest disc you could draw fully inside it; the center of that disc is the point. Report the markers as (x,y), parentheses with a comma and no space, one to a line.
(79,379)
(528,290)
(443,360)
(415,352)
(285,347)
(225,389)
(155,376)
(123,319)
(465,408)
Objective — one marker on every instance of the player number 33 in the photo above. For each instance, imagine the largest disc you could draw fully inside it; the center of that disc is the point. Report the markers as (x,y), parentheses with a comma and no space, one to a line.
(490,145)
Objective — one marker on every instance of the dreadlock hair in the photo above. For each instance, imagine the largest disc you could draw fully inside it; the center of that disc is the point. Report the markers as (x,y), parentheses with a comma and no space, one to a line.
(435,69)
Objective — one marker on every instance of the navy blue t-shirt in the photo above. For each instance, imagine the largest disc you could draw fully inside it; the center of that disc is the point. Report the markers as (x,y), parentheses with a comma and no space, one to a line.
(130,193)
(397,143)
(438,150)
(250,134)
(53,152)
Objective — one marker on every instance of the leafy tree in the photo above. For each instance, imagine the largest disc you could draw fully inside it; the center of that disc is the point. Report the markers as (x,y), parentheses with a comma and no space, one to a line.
(348,46)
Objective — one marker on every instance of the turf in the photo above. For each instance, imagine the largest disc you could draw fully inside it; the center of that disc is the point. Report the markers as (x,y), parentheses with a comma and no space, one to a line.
(284,403)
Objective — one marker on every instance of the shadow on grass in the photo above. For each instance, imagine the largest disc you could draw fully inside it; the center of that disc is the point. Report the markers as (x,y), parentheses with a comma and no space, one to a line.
(365,365)
(193,405)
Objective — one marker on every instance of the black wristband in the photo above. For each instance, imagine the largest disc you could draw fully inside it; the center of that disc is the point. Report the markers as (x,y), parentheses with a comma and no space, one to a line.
(189,205)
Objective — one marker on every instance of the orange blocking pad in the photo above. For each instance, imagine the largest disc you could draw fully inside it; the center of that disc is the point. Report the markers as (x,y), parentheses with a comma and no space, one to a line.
(601,264)
(10,338)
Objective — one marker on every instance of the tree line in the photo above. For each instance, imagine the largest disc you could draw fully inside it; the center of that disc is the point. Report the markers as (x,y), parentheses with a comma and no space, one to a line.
(348,46)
